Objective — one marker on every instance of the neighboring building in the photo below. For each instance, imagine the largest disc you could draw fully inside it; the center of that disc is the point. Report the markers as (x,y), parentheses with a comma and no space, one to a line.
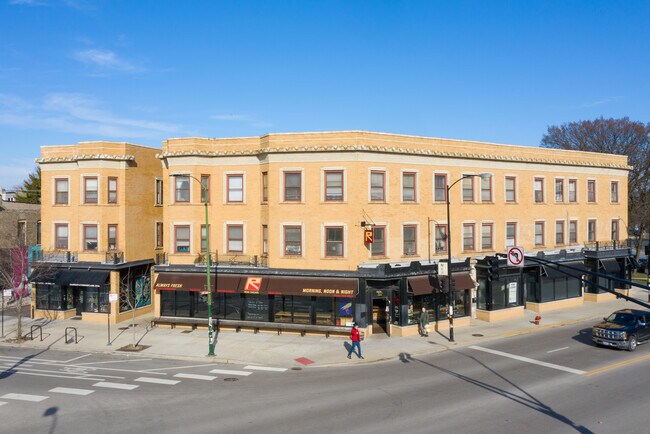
(7,196)
(290,211)
(20,224)
(99,203)
(291,217)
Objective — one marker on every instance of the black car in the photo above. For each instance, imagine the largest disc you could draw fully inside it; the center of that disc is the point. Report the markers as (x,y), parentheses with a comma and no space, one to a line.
(625,329)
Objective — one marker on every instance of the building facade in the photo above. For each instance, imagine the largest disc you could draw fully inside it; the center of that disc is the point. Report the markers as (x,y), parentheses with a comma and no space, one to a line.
(314,231)
(96,198)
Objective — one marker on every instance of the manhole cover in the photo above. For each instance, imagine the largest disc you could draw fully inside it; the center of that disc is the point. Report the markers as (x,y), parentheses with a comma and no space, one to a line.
(296,369)
(230,379)
(477,335)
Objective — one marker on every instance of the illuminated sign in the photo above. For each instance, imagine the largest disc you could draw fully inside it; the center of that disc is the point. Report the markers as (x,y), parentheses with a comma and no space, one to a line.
(253,284)
(367,236)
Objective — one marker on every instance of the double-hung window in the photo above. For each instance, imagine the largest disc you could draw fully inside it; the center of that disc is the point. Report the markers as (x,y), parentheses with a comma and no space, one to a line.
(468,189)
(538,190)
(377,186)
(440,234)
(61,236)
(591,191)
(235,238)
(293,240)
(182,238)
(486,188)
(408,186)
(539,233)
(91,186)
(333,186)
(112,189)
(468,237)
(235,188)
(62,188)
(440,187)
(90,238)
(559,190)
(378,246)
(559,232)
(573,190)
(613,192)
(573,231)
(591,231)
(182,187)
(614,230)
(292,186)
(334,241)
(511,192)
(112,237)
(409,239)
(487,236)
(511,234)
(205,188)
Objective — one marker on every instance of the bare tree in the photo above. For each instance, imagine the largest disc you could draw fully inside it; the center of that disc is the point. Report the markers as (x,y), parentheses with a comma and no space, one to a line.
(14,275)
(614,136)
(130,297)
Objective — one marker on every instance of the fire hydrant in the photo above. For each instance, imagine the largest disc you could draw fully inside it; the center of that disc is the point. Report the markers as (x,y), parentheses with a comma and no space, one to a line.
(537,319)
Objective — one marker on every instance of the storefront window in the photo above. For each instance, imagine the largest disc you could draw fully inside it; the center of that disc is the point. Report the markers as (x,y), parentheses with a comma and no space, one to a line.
(183,303)
(326,311)
(256,307)
(69,299)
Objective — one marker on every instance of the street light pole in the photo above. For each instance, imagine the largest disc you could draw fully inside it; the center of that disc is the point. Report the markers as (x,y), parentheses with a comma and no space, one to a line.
(208,262)
(450,280)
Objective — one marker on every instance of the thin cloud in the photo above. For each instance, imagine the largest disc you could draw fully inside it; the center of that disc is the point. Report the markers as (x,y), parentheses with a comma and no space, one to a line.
(106,60)
(602,101)
(27,3)
(78,114)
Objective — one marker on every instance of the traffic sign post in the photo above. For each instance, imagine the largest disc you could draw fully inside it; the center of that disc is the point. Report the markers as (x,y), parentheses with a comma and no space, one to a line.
(516,256)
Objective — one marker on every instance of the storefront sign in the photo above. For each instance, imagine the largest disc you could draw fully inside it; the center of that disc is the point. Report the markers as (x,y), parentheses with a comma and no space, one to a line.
(512,292)
(112,297)
(328,291)
(367,236)
(253,285)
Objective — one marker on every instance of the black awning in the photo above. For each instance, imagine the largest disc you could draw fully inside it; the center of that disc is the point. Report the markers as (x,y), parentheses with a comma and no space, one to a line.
(462,281)
(610,266)
(577,270)
(421,285)
(69,277)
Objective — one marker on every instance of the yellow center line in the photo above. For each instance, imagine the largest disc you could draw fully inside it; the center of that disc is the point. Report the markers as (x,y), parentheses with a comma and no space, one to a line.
(616,365)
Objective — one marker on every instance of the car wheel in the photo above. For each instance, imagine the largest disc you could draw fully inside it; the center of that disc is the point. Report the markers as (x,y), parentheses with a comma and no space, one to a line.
(631,346)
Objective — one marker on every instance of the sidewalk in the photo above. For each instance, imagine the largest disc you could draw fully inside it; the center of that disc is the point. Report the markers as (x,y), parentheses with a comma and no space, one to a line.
(270,349)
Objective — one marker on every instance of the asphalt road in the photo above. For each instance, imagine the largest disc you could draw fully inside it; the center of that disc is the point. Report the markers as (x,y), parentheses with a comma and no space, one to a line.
(544,382)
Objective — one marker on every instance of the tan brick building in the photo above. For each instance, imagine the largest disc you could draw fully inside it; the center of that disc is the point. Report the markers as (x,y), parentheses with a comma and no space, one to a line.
(289,215)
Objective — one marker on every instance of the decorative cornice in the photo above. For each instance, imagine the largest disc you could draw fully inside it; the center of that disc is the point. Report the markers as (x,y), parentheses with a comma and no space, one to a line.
(387,150)
(81,157)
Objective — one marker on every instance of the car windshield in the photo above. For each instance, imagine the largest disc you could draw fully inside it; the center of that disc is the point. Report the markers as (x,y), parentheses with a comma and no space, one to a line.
(621,318)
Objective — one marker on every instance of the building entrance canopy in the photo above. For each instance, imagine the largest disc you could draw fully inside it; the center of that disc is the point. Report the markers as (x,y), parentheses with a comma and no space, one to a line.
(71,278)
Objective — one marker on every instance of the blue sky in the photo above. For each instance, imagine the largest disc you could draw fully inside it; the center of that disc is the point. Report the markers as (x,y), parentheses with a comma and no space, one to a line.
(143,71)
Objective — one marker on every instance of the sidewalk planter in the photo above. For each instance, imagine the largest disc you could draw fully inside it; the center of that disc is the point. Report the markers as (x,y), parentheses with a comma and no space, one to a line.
(501,314)
(568,303)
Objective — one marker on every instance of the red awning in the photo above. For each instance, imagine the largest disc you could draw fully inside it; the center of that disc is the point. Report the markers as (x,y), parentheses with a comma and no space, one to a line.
(462,281)
(181,282)
(421,285)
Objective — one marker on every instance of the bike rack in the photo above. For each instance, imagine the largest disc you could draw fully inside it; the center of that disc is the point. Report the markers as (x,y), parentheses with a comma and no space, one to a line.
(66,334)
(31,332)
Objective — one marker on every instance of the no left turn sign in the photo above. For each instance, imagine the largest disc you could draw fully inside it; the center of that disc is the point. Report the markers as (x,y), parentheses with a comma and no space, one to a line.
(516,256)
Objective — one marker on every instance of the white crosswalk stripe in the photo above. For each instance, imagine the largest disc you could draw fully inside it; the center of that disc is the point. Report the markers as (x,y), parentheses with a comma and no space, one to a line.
(196,376)
(116,385)
(264,368)
(2,403)
(71,391)
(24,397)
(228,372)
(157,381)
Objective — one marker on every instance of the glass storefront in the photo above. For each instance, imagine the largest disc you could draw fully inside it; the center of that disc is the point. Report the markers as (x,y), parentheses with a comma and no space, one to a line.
(51,297)
(437,305)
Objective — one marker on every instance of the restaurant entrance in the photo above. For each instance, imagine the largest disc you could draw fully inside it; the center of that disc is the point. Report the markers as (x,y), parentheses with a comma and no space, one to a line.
(380,320)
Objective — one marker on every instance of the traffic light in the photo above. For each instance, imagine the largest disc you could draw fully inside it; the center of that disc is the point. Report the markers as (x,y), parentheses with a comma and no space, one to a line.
(493,268)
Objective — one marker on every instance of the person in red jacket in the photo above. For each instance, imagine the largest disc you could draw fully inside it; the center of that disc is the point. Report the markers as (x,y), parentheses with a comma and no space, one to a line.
(356,341)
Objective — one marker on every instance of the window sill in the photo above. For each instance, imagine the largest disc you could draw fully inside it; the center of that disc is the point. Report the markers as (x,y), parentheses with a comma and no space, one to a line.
(333,258)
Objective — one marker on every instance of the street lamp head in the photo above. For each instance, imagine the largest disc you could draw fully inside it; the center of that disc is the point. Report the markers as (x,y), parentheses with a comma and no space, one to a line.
(484,175)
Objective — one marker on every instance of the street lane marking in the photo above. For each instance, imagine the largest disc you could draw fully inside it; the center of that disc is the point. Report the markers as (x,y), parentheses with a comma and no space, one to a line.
(116,385)
(24,397)
(264,368)
(196,376)
(227,372)
(76,358)
(58,376)
(72,374)
(559,349)
(71,391)
(110,361)
(178,367)
(617,365)
(157,381)
(2,403)
(528,360)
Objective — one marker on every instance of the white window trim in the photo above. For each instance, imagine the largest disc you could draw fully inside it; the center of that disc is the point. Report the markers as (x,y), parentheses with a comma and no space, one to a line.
(475,194)
(433,184)
(516,178)
(59,222)
(477,227)
(595,219)
(505,232)
(433,233)
(172,238)
(82,236)
(587,190)
(226,186)
(386,227)
(224,230)
(492,192)
(544,189)
(577,182)
(418,245)
(543,235)
(303,235)
(386,185)
(82,189)
(54,178)
(494,233)
(322,184)
(323,249)
(565,189)
(417,185)
(284,170)
(568,232)
(172,187)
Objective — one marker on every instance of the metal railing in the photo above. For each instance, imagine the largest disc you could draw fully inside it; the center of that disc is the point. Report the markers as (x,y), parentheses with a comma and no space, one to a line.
(113,257)
(608,245)
(232,260)
(55,256)
(161,258)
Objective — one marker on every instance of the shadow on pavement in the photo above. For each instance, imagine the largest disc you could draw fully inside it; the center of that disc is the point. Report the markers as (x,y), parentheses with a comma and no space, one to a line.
(584,337)
(524,398)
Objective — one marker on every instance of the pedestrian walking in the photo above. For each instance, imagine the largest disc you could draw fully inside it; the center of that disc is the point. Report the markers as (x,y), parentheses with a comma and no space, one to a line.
(424,323)
(355,336)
